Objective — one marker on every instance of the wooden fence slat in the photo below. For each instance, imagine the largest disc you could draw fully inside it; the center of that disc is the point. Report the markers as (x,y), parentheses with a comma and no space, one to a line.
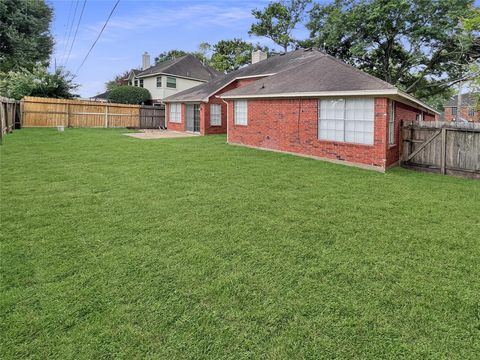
(46,112)
(455,152)
(421,147)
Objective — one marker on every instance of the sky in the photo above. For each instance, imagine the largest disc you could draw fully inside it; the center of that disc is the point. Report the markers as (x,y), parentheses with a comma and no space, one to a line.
(137,26)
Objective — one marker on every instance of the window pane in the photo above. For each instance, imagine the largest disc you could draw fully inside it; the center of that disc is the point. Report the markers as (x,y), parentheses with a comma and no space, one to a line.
(171,82)
(240,116)
(159,81)
(215,114)
(349,120)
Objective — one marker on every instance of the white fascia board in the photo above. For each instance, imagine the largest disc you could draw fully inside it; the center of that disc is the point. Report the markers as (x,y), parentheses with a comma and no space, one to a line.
(386,92)
(253,76)
(167,74)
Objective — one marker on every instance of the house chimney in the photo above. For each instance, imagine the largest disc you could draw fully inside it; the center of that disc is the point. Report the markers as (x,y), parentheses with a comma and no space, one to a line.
(258,56)
(145,61)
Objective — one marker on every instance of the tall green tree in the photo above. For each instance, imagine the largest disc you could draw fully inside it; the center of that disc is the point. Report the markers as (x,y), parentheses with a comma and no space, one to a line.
(473,24)
(25,37)
(37,82)
(118,80)
(278,20)
(229,55)
(169,55)
(419,46)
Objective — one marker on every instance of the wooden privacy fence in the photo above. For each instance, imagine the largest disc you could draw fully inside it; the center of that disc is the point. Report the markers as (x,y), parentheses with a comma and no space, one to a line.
(442,147)
(152,117)
(9,115)
(46,112)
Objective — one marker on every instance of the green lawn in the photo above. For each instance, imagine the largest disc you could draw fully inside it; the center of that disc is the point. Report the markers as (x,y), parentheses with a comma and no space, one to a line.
(114,247)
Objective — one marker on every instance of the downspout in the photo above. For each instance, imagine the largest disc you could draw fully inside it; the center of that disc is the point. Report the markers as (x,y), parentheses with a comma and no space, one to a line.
(226,102)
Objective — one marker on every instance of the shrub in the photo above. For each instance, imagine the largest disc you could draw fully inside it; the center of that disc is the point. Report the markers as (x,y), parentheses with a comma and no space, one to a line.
(37,82)
(129,95)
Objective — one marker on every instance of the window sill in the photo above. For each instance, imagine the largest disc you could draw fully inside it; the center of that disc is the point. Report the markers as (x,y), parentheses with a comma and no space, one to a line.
(344,143)
(391,146)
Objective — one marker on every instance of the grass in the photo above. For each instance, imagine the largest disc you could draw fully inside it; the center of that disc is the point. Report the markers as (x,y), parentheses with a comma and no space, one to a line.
(114,247)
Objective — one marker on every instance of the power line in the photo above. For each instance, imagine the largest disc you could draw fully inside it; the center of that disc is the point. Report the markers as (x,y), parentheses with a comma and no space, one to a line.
(70,30)
(76,31)
(98,37)
(68,21)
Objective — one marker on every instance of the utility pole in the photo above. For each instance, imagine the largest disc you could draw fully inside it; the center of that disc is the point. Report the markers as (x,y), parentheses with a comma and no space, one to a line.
(459,103)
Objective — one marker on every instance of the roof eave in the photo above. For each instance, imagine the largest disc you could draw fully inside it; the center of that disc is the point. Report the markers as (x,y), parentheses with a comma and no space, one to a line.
(335,93)
(169,74)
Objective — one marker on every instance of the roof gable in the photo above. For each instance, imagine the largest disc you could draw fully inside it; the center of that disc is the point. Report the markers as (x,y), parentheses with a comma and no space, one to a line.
(468,99)
(320,74)
(186,66)
(269,66)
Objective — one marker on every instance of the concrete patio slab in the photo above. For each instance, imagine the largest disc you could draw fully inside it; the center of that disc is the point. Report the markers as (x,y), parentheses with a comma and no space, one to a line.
(152,134)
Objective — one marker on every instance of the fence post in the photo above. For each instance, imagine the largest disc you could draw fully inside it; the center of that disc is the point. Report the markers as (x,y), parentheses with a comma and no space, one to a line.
(68,115)
(106,116)
(1,122)
(443,155)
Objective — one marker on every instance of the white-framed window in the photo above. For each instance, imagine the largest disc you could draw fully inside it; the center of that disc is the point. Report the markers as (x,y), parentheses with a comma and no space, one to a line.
(159,81)
(241,112)
(391,123)
(454,110)
(471,112)
(175,113)
(419,117)
(135,83)
(215,115)
(141,82)
(346,120)
(171,82)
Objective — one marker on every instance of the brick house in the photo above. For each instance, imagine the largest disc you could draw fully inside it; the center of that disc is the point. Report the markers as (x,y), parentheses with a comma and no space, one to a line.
(468,111)
(201,110)
(304,102)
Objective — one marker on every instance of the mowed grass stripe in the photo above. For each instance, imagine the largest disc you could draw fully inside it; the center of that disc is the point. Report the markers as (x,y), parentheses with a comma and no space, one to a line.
(114,247)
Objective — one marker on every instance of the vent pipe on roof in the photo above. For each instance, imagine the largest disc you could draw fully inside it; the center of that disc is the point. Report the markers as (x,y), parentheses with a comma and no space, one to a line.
(258,56)
(145,61)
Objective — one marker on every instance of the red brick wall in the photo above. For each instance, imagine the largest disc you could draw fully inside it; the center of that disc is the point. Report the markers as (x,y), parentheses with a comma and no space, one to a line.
(205,127)
(403,112)
(464,114)
(292,125)
(174,125)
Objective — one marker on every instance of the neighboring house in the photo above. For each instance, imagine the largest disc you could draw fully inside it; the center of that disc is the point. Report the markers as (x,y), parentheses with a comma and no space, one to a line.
(304,102)
(170,77)
(103,97)
(468,111)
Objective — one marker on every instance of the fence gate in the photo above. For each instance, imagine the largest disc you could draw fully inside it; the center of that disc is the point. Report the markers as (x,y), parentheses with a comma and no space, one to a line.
(442,147)
(152,117)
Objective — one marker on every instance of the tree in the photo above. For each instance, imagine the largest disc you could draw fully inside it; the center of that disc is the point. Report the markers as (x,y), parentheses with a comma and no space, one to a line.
(119,80)
(25,37)
(229,55)
(278,20)
(37,82)
(419,46)
(473,24)
(129,95)
(169,55)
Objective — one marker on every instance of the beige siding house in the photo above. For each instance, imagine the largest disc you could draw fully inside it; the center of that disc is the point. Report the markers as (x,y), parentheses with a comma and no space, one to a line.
(170,77)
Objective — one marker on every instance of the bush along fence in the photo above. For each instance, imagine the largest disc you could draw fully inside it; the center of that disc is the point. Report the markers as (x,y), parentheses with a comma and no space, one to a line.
(447,148)
(46,112)
(9,115)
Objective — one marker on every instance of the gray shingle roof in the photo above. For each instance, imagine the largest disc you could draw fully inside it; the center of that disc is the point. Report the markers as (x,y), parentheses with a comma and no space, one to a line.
(269,66)
(468,99)
(185,66)
(320,74)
